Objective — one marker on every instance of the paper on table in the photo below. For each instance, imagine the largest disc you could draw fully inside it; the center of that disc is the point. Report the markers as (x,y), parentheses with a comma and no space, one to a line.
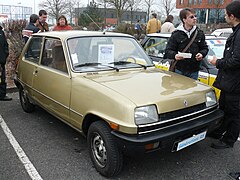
(185,55)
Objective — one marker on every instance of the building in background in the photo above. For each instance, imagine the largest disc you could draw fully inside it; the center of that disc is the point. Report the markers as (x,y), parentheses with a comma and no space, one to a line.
(11,12)
(109,15)
(208,11)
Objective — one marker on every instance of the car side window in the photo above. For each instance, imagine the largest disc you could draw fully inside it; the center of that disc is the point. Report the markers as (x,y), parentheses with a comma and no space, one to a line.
(53,55)
(155,46)
(33,50)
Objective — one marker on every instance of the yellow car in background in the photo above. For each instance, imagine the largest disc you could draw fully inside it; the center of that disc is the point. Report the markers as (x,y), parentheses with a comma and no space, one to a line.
(155,45)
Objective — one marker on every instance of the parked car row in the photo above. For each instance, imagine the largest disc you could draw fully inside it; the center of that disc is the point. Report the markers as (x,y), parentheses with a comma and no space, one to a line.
(106,87)
(155,45)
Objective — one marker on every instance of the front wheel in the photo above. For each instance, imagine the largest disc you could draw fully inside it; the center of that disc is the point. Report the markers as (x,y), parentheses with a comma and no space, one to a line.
(104,153)
(25,103)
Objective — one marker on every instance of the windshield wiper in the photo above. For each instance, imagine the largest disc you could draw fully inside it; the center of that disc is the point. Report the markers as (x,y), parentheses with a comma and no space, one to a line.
(127,62)
(86,64)
(120,62)
(95,64)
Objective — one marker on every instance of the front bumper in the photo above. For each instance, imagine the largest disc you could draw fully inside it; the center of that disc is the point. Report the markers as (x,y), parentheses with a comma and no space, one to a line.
(167,137)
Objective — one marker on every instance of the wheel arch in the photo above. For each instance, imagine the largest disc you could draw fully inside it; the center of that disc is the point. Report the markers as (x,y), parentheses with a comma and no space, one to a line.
(88,120)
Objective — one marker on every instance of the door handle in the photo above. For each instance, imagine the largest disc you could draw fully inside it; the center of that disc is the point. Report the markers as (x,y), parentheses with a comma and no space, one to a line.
(35,72)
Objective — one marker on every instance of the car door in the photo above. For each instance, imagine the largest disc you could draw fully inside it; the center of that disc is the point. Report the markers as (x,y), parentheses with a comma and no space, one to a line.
(29,63)
(52,82)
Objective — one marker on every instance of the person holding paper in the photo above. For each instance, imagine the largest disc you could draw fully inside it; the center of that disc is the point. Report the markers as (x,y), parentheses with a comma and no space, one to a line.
(228,81)
(187,34)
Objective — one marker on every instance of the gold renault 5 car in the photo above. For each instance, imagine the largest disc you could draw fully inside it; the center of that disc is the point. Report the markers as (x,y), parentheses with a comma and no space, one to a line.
(105,86)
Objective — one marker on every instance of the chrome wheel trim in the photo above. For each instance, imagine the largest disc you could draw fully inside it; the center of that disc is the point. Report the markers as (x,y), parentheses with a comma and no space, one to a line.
(24,96)
(99,150)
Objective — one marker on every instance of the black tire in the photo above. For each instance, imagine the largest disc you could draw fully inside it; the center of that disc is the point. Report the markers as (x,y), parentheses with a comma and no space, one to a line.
(104,153)
(25,103)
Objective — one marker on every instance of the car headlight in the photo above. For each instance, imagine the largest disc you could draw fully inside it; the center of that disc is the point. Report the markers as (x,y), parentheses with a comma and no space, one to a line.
(210,98)
(146,115)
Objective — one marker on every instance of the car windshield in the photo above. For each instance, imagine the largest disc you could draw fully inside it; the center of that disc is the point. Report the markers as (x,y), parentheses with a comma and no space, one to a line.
(216,47)
(105,53)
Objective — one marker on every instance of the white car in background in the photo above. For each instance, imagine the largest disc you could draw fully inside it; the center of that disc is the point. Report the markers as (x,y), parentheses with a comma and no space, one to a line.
(224,32)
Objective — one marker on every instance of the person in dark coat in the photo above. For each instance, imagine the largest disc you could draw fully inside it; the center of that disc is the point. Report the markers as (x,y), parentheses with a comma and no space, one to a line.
(235,175)
(31,27)
(180,38)
(228,81)
(4,52)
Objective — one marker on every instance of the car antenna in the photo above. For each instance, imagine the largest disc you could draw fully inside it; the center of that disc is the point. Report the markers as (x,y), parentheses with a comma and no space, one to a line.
(94,22)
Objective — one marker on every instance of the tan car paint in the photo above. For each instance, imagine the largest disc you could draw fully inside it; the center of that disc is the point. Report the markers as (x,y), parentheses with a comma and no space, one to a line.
(110,95)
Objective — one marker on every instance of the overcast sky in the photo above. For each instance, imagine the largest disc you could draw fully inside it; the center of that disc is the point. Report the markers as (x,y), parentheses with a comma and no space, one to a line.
(30,3)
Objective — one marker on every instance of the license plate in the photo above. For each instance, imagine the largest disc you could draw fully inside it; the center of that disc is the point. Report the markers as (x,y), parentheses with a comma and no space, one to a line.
(192,140)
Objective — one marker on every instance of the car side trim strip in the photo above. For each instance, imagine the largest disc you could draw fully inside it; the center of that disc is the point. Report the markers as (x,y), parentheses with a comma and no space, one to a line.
(51,99)
(76,112)
(44,95)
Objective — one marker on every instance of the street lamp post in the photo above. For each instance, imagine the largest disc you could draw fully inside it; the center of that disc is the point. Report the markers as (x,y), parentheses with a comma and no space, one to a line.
(34,6)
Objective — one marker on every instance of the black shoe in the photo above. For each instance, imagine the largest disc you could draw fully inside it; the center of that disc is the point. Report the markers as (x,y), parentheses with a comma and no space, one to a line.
(235,175)
(5,98)
(221,145)
(215,135)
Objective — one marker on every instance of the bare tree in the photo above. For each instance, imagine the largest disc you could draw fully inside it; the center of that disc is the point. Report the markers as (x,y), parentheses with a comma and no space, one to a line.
(55,8)
(70,9)
(149,4)
(168,6)
(134,6)
(120,5)
(105,5)
(218,10)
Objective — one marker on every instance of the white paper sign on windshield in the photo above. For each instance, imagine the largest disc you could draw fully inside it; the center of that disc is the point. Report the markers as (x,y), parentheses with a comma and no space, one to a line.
(74,58)
(105,53)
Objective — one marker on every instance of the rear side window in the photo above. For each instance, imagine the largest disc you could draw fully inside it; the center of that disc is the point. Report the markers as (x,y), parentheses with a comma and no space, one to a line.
(53,55)
(33,50)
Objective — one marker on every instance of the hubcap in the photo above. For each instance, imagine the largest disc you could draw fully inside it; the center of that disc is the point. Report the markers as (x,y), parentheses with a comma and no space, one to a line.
(99,150)
(24,96)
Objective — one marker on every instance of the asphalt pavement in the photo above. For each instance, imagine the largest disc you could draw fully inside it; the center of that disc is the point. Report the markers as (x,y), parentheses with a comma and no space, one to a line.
(58,152)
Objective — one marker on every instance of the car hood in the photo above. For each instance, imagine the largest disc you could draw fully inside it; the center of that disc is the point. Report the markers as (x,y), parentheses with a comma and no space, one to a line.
(167,90)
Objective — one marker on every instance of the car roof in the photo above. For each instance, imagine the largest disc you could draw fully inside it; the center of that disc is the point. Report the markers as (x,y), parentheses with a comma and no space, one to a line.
(167,35)
(219,32)
(78,33)
(223,30)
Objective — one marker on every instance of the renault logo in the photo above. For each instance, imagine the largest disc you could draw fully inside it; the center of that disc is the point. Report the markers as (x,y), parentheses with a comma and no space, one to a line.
(185,103)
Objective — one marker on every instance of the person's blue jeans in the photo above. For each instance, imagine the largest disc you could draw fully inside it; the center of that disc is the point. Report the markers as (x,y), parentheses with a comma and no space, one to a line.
(193,75)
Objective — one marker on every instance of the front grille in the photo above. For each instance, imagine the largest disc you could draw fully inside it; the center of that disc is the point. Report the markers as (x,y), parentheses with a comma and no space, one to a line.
(181,112)
(176,117)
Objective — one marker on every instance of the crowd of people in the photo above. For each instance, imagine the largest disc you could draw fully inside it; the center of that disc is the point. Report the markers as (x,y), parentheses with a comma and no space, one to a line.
(37,23)
(185,38)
